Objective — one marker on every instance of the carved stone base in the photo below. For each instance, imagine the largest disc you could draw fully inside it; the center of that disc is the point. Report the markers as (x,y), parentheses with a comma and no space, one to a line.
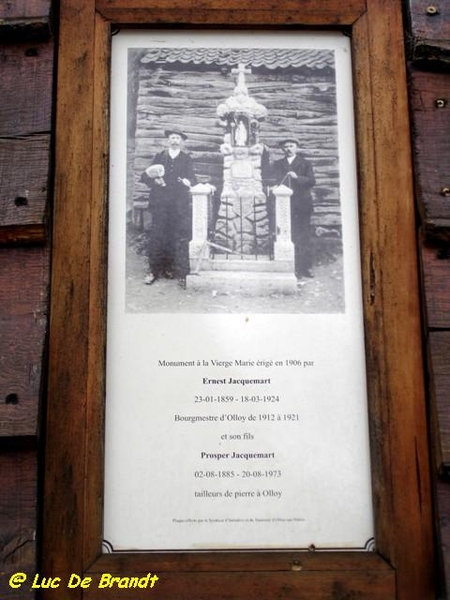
(235,263)
(246,283)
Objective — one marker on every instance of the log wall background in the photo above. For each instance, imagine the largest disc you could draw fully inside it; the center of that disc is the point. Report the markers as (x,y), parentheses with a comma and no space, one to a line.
(301,103)
(26,84)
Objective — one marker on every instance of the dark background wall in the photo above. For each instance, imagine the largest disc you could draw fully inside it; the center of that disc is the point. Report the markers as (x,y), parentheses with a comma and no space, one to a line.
(27,52)
(428,46)
(26,104)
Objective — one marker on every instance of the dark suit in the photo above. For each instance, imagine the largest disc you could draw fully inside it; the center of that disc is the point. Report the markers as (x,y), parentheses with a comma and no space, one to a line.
(171,208)
(301,207)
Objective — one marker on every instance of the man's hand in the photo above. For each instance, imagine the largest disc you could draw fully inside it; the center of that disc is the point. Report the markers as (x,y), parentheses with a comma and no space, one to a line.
(292,174)
(185,181)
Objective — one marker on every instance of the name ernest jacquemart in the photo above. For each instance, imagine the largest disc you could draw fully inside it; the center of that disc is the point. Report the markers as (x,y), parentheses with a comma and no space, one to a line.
(233,381)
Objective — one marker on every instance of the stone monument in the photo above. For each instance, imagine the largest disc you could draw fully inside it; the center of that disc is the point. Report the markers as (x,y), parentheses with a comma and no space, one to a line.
(242,223)
(250,250)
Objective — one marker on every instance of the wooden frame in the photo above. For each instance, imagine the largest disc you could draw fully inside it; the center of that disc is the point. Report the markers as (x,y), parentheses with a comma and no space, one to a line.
(72,518)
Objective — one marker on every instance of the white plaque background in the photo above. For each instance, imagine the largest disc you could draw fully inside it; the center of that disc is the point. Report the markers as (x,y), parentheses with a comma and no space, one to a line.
(153,466)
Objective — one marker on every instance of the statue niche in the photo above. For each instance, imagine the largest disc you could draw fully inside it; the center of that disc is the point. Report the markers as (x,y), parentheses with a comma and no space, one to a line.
(242,224)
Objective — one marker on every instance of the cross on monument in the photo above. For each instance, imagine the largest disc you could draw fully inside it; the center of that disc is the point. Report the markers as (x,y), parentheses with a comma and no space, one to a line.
(241,71)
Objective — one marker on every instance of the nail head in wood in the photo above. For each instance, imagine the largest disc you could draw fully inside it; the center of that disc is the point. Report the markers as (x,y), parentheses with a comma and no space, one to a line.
(296,565)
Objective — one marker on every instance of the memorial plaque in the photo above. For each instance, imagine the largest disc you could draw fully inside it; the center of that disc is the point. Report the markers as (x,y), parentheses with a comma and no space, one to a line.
(236,403)
(241,366)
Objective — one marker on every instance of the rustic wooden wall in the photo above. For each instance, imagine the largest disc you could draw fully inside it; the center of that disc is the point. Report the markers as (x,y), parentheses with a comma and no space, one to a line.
(429,53)
(301,102)
(26,59)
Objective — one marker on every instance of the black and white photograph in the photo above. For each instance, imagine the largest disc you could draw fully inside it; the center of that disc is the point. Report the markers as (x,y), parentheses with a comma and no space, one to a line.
(235,338)
(233,196)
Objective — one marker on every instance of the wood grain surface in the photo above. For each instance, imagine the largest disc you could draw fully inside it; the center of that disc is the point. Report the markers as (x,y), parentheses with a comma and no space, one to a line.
(392,307)
(25,20)
(70,296)
(443,530)
(439,348)
(233,13)
(18,514)
(24,173)
(430,31)
(25,127)
(281,585)
(436,284)
(26,89)
(24,274)
(430,103)
(24,9)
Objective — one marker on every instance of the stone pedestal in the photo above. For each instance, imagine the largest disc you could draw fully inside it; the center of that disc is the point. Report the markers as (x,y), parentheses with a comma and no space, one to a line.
(200,208)
(283,248)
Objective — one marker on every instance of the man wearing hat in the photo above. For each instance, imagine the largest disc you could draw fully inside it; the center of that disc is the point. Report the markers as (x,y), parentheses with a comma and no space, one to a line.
(295,172)
(170,177)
